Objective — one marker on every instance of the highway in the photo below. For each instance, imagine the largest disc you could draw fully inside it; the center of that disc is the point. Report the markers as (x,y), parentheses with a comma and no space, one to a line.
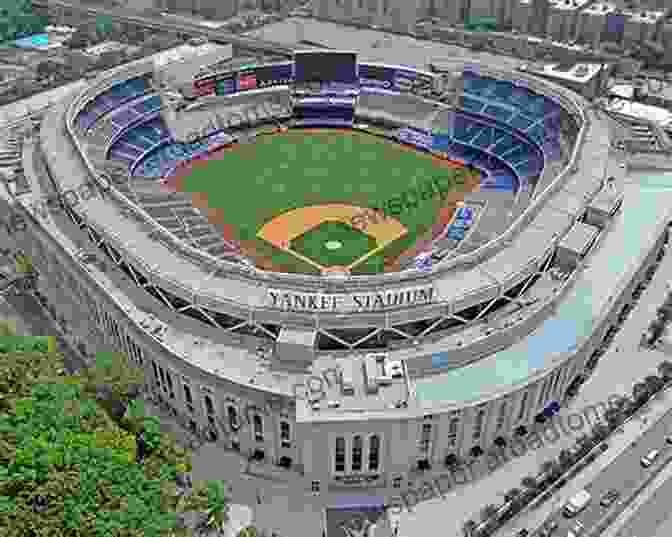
(652,519)
(624,474)
(133,16)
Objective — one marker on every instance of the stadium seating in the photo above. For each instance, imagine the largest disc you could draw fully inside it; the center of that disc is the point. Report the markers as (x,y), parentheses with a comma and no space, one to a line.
(175,212)
(111,99)
(518,107)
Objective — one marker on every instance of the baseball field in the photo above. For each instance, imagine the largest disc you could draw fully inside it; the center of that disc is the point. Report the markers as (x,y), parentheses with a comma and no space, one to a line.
(321,200)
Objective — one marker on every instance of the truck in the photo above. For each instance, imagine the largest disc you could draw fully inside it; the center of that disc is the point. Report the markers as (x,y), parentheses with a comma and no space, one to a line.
(577,503)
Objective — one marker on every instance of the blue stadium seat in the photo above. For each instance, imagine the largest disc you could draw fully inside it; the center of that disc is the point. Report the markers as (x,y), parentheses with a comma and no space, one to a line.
(505,143)
(498,112)
(472,105)
(520,122)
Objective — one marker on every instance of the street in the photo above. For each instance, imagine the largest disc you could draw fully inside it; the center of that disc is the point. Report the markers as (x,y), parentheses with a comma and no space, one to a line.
(624,474)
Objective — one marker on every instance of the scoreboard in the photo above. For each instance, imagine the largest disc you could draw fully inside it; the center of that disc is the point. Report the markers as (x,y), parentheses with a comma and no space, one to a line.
(225,85)
(394,78)
(250,78)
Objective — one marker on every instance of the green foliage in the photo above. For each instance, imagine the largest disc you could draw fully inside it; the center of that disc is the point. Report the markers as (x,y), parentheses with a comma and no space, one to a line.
(17,18)
(57,441)
(10,342)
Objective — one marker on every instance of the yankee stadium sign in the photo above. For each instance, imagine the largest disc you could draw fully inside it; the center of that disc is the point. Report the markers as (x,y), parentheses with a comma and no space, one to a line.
(341,303)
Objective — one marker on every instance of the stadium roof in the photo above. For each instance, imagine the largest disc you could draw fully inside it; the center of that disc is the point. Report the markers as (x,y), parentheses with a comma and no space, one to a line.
(640,111)
(579,72)
(646,210)
(183,63)
(373,45)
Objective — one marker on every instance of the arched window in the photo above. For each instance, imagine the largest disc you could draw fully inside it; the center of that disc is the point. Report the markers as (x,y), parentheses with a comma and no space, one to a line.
(258,428)
(374,453)
(285,437)
(357,446)
(233,418)
(340,454)
(209,407)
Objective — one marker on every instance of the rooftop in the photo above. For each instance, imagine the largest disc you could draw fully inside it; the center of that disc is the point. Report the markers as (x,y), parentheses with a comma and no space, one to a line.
(645,213)
(579,72)
(639,111)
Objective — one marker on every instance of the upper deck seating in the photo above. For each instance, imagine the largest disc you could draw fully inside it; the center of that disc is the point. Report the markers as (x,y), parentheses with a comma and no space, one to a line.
(111,99)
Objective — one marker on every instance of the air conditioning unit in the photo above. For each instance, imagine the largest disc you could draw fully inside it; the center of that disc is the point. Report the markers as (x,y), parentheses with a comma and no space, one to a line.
(394,369)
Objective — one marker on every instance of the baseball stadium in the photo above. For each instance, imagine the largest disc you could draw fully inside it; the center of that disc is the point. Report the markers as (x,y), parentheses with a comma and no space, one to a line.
(451,244)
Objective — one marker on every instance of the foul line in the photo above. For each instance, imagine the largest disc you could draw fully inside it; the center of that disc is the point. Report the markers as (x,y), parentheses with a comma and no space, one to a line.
(303,258)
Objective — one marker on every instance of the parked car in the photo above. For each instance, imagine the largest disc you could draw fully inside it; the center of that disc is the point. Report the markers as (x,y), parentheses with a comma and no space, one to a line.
(669,439)
(649,459)
(609,498)
(548,529)
(576,530)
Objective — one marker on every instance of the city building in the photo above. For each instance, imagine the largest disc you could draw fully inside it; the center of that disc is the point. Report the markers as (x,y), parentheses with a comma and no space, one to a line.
(563,16)
(592,23)
(394,15)
(213,9)
(588,79)
(642,26)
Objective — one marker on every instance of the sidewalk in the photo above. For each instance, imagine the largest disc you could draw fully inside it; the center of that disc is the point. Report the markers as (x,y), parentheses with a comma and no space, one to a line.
(621,366)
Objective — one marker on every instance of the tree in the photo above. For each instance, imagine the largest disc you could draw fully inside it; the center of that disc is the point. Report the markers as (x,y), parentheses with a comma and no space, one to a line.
(69,470)
(640,393)
(665,370)
(248,531)
(653,383)
(114,382)
(488,512)
(600,432)
(584,444)
(211,497)
(512,494)
(468,528)
(551,469)
(565,458)
(614,416)
(530,484)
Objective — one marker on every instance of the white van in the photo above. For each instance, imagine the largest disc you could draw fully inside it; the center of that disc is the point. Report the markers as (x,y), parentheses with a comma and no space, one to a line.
(648,460)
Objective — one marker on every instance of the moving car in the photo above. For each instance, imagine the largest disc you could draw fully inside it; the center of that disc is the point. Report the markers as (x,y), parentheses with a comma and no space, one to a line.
(576,530)
(609,498)
(648,459)
(576,504)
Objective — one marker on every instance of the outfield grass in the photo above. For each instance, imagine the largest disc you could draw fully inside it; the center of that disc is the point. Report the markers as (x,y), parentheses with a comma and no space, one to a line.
(253,183)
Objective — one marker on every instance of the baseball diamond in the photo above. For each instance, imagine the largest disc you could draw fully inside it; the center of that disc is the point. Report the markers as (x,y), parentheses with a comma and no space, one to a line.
(294,181)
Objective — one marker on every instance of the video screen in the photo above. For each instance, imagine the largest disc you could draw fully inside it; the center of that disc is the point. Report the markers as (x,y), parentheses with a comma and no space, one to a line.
(226,85)
(274,75)
(247,80)
(313,67)
(375,72)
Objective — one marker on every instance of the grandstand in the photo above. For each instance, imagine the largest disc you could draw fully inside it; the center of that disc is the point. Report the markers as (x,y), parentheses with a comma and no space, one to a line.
(119,94)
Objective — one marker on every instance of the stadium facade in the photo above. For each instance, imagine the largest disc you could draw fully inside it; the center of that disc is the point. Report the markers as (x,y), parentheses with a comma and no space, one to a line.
(339,381)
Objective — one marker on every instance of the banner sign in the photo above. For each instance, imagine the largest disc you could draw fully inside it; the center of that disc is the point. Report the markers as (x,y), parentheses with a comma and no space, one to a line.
(341,303)
(415,137)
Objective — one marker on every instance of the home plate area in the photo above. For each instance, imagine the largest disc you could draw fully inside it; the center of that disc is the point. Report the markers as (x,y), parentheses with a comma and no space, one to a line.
(333,244)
